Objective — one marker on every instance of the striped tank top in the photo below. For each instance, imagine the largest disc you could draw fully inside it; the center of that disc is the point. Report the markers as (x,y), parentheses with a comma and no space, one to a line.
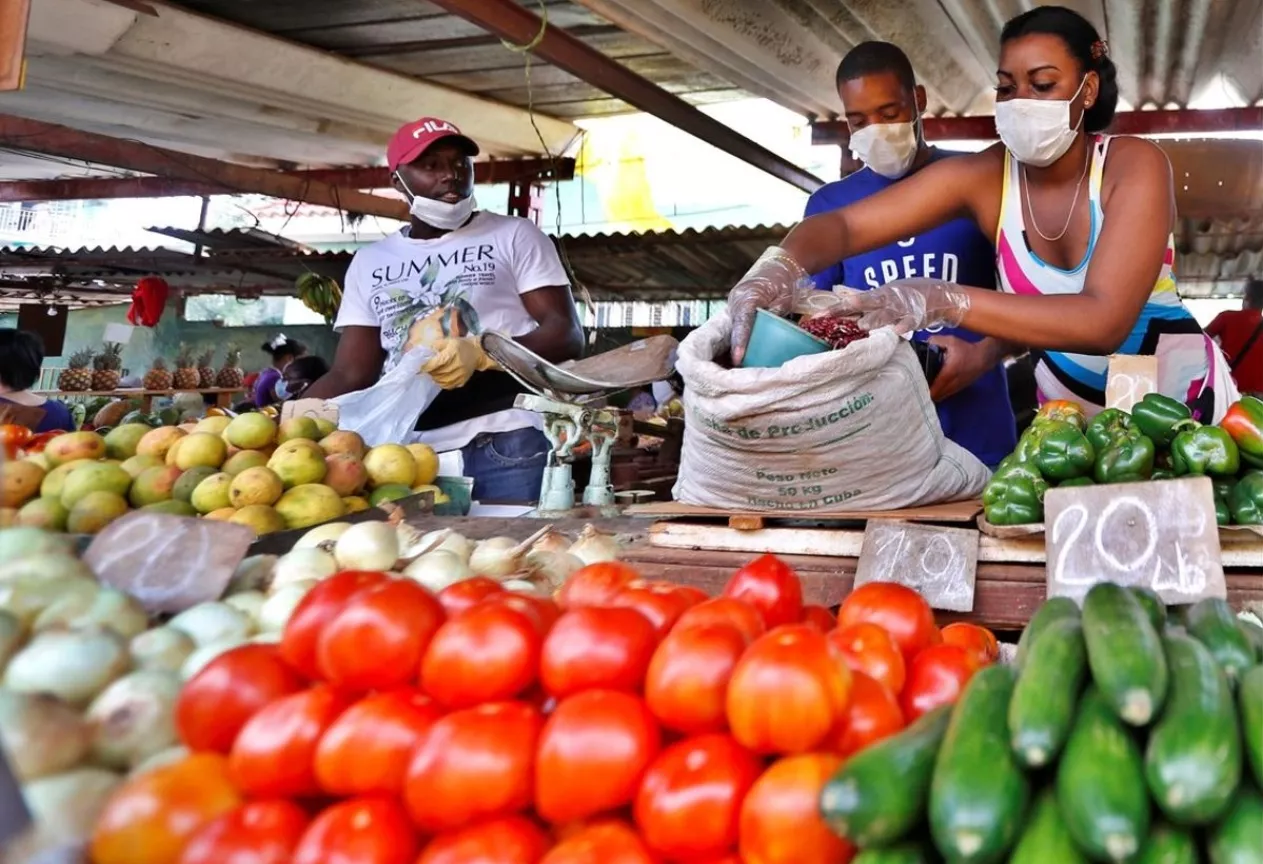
(1189,363)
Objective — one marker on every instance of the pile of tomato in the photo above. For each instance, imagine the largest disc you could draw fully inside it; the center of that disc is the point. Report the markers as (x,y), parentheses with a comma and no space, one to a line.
(626,721)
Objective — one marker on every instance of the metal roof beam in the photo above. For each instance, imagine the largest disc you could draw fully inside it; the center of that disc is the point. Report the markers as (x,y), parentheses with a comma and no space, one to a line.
(516,24)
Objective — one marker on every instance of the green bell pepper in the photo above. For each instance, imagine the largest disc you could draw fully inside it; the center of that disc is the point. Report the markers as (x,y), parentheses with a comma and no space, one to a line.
(1204,450)
(1244,422)
(1223,513)
(1246,499)
(1163,474)
(1128,458)
(1108,425)
(1076,481)
(1064,452)
(1160,417)
(1223,486)
(1015,497)
(1062,410)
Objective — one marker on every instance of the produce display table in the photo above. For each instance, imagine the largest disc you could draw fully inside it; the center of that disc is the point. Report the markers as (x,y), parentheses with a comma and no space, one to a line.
(223,395)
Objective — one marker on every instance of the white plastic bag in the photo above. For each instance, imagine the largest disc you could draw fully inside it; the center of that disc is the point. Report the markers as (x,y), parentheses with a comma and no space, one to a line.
(387,412)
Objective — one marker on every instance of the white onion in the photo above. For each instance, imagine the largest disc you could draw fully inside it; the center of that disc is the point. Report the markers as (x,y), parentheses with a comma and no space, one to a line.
(496,558)
(302,565)
(110,608)
(213,622)
(327,533)
(159,759)
(553,567)
(162,649)
(252,574)
(45,567)
(205,654)
(271,637)
(280,606)
(367,546)
(134,718)
(520,586)
(27,598)
(595,546)
(42,734)
(11,632)
(74,665)
(447,540)
(65,808)
(24,541)
(436,570)
(552,541)
(248,602)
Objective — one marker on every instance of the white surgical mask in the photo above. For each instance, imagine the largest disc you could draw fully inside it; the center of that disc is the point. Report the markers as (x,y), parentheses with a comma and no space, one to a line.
(889,149)
(440,214)
(1037,131)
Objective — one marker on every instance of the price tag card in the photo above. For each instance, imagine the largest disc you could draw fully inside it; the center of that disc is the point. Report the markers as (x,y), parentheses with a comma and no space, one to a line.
(168,563)
(316,409)
(1161,535)
(940,563)
(14,817)
(1131,378)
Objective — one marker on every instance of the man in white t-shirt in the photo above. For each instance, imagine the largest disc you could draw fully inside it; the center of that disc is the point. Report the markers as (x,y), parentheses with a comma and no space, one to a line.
(451,275)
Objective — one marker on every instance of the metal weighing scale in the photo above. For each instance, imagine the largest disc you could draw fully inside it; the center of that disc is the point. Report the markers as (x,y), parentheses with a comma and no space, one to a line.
(565,396)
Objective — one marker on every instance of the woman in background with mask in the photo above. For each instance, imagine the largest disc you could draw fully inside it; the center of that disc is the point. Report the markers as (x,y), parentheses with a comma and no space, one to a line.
(283,351)
(1082,224)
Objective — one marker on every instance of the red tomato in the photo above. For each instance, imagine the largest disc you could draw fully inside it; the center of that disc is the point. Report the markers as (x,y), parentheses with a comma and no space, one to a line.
(686,687)
(594,648)
(261,832)
(37,443)
(873,714)
(596,584)
(360,831)
(473,765)
(978,640)
(692,594)
(820,618)
(788,691)
(216,702)
(769,584)
(487,654)
(936,677)
(150,817)
(725,610)
(780,819)
(902,612)
(609,842)
(511,840)
(13,438)
(542,610)
(320,606)
(274,755)
(868,648)
(366,750)
(660,602)
(468,594)
(378,639)
(592,753)
(690,799)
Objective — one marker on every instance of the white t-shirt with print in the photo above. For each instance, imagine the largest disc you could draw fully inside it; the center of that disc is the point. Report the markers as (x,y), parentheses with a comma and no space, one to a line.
(465,282)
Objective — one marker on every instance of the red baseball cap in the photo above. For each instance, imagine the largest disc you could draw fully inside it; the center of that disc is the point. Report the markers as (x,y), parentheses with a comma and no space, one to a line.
(413,139)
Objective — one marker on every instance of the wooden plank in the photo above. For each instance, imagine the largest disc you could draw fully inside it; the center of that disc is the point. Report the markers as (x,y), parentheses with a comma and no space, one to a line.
(956,511)
(14,15)
(466,58)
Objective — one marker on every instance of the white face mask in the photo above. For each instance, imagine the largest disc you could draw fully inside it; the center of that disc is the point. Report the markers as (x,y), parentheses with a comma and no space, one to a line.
(889,149)
(440,214)
(1037,131)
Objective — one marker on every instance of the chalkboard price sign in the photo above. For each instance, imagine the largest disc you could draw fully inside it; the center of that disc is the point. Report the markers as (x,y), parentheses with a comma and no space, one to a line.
(1161,535)
(940,563)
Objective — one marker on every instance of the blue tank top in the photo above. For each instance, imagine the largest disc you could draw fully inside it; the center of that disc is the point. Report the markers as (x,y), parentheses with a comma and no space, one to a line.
(980,417)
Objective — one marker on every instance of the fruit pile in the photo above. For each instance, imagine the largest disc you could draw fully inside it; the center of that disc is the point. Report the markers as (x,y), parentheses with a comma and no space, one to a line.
(837,332)
(626,721)
(1115,737)
(1157,440)
(249,470)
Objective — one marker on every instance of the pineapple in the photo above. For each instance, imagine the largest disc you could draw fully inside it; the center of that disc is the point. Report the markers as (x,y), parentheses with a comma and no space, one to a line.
(76,378)
(107,365)
(158,377)
(206,370)
(230,376)
(186,377)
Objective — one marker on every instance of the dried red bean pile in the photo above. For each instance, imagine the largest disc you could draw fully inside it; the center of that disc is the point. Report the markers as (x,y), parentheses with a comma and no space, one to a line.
(838,332)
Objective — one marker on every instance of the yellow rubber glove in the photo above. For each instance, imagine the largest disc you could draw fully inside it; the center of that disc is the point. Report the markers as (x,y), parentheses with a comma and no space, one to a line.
(456,360)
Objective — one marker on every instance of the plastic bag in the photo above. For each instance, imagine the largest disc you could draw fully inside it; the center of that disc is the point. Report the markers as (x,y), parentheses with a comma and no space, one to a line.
(387,412)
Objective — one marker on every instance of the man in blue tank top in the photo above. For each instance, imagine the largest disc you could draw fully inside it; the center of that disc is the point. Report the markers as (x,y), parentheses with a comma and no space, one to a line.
(883,105)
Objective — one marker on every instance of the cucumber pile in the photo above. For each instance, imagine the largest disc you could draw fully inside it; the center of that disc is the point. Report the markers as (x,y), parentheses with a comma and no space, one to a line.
(1121,733)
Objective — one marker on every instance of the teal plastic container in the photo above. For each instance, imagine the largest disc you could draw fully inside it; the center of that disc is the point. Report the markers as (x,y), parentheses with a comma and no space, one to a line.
(775,341)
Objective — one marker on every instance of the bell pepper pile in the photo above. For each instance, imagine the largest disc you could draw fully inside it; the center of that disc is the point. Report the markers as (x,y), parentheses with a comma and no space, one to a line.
(1157,440)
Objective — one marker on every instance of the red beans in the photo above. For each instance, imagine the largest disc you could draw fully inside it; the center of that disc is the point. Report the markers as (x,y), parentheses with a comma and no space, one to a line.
(838,332)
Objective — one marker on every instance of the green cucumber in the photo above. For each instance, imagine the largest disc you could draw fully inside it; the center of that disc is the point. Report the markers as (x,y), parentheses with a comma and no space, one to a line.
(1124,653)
(1042,709)
(979,793)
(880,794)
(1213,623)
(1168,845)
(1045,839)
(1250,708)
(1154,607)
(1101,783)
(1193,760)
(1054,609)
(904,852)
(1253,634)
(1238,838)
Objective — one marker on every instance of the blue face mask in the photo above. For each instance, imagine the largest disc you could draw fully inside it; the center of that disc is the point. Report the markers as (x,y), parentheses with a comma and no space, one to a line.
(281,389)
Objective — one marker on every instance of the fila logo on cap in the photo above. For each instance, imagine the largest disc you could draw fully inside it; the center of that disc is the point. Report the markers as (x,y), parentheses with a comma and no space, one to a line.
(433,127)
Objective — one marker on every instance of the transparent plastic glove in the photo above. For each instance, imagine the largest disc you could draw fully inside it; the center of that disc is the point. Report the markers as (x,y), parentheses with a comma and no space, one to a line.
(775,282)
(455,361)
(907,305)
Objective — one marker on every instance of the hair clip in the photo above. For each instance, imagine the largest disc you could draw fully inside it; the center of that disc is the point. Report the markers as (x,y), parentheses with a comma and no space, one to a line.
(1100,48)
